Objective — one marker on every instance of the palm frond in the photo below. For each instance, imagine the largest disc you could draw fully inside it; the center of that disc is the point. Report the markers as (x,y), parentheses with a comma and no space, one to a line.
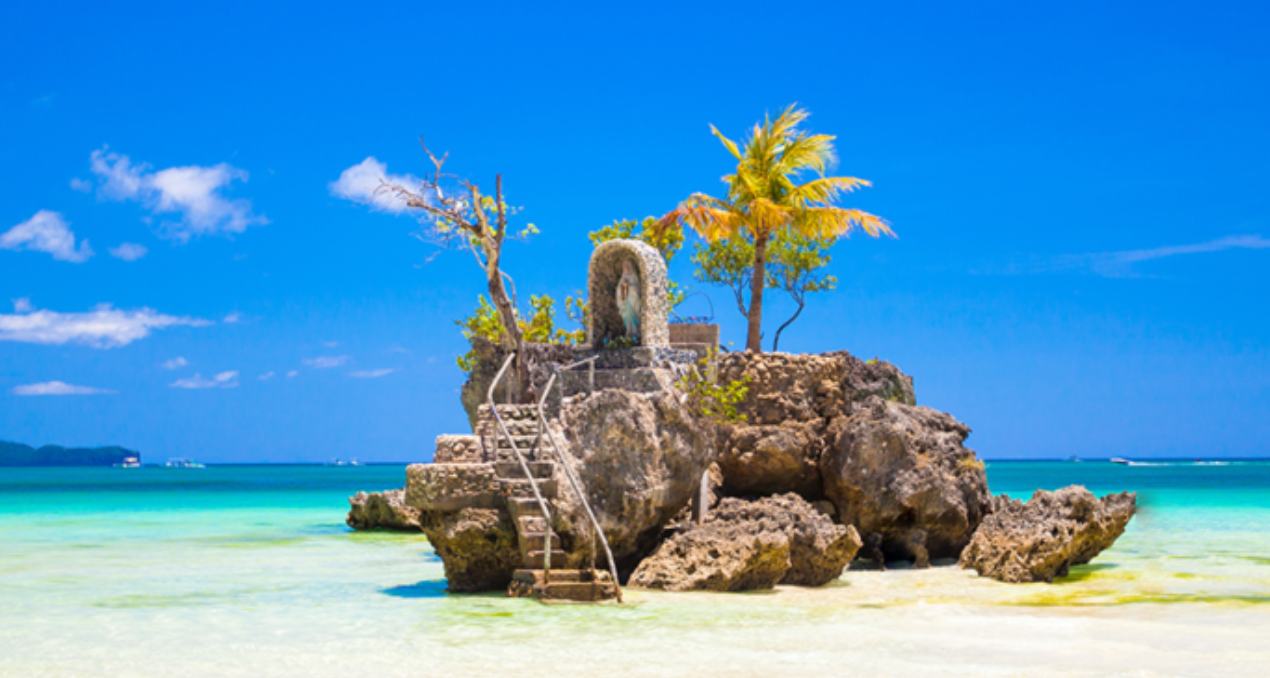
(712,218)
(807,151)
(825,222)
(728,143)
(824,191)
(766,217)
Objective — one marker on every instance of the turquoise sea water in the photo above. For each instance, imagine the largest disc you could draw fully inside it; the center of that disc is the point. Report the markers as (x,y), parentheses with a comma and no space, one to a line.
(250,571)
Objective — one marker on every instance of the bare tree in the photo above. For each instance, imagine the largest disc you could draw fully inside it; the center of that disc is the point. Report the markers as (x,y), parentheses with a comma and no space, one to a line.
(455,213)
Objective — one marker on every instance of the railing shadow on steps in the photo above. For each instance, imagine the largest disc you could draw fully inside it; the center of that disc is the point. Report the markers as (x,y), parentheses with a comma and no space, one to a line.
(596,531)
(533,484)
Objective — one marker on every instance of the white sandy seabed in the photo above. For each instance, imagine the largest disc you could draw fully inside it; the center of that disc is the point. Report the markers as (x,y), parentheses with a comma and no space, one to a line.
(290,592)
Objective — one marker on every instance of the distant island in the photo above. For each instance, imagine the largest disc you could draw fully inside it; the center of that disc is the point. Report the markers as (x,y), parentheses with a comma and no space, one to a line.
(17,454)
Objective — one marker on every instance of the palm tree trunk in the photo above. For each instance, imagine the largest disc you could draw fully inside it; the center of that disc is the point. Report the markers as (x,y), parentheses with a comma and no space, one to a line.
(754,337)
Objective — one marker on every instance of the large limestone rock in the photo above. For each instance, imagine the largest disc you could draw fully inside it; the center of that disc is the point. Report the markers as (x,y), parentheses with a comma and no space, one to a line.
(900,474)
(1041,539)
(791,402)
(477,546)
(640,458)
(746,545)
(764,460)
(382,510)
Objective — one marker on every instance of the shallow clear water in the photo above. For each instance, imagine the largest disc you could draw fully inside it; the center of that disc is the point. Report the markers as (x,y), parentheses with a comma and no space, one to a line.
(250,571)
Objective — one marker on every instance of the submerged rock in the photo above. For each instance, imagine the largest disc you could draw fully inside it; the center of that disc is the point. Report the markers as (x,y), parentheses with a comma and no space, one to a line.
(477,546)
(1041,539)
(900,474)
(746,545)
(383,510)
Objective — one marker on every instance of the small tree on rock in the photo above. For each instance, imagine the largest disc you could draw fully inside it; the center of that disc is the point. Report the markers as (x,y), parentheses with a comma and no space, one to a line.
(456,213)
(764,200)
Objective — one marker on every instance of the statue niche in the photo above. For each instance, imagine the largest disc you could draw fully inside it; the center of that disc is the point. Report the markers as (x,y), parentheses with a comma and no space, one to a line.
(626,286)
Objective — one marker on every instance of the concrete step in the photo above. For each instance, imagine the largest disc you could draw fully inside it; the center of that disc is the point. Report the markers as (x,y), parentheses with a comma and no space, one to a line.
(536,560)
(535,576)
(524,507)
(512,470)
(579,592)
(520,487)
(524,442)
(536,541)
(527,524)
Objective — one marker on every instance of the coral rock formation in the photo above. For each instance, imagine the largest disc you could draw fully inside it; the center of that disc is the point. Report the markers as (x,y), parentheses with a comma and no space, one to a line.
(477,546)
(901,472)
(640,457)
(386,510)
(746,545)
(791,403)
(1053,531)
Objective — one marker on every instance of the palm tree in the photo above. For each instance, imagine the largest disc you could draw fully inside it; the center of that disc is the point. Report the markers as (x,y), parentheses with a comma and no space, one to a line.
(763,199)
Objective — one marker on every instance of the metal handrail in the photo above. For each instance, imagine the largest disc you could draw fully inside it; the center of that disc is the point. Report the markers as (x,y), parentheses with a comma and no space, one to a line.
(533,484)
(596,531)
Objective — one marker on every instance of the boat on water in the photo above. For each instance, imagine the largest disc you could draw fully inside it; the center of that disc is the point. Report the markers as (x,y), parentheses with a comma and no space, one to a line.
(128,462)
(181,462)
(1074,459)
(341,462)
(1118,460)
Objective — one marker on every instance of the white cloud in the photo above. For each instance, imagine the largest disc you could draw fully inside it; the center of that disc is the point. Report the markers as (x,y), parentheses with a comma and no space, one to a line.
(175,363)
(326,361)
(103,327)
(128,251)
(1120,264)
(292,373)
(363,183)
(266,376)
(330,344)
(81,185)
(22,305)
(193,193)
(233,318)
(46,232)
(222,380)
(372,374)
(57,388)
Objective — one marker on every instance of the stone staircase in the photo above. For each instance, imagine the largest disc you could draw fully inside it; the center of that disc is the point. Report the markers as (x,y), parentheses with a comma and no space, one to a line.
(535,447)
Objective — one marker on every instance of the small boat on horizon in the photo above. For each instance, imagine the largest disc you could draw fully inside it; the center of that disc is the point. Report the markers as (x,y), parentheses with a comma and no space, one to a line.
(181,462)
(128,462)
(1118,460)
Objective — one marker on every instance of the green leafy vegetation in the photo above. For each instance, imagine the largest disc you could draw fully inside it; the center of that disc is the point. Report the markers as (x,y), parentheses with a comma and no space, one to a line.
(711,399)
(540,328)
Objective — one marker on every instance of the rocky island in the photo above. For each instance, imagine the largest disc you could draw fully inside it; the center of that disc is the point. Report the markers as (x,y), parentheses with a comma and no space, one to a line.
(17,454)
(611,471)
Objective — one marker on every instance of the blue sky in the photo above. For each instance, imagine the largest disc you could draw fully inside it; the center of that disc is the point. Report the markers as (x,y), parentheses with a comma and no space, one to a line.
(1079,192)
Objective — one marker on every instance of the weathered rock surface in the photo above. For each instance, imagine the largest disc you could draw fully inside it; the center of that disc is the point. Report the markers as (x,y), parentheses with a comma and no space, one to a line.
(543,360)
(746,545)
(385,510)
(477,546)
(791,403)
(900,472)
(640,457)
(450,487)
(1041,539)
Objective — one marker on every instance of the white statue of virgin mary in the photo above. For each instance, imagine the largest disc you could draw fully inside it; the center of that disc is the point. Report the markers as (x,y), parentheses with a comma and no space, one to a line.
(628,302)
